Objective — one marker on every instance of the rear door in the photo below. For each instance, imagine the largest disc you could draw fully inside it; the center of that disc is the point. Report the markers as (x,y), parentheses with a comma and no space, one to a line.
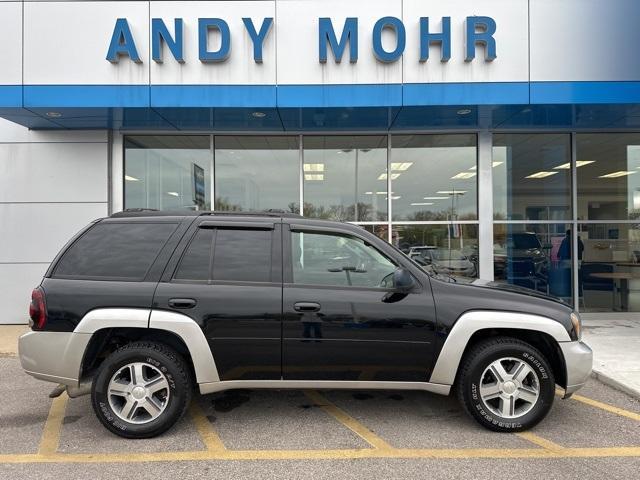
(228,277)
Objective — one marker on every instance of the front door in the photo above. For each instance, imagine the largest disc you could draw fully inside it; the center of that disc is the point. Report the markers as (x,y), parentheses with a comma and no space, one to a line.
(229,280)
(342,319)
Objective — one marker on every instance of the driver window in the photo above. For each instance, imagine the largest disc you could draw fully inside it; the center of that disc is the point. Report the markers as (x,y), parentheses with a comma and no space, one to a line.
(330,259)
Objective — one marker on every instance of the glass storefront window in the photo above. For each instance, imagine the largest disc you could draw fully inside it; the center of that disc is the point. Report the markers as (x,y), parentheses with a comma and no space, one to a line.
(345,177)
(167,172)
(434,177)
(448,249)
(608,171)
(257,173)
(531,176)
(534,256)
(609,269)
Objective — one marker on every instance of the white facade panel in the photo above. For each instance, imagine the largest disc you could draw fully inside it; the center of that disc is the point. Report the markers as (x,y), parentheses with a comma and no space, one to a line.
(53,172)
(67,43)
(12,132)
(511,64)
(585,40)
(11,41)
(16,283)
(239,68)
(297,36)
(35,232)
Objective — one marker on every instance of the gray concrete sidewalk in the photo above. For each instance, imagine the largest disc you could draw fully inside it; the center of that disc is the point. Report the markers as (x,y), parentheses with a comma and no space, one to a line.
(616,352)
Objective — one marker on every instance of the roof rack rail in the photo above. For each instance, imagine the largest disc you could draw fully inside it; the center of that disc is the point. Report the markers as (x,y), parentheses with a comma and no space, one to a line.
(152,212)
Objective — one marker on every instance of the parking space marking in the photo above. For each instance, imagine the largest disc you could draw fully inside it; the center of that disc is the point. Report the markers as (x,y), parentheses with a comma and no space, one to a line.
(541,442)
(605,406)
(48,449)
(53,426)
(209,436)
(347,420)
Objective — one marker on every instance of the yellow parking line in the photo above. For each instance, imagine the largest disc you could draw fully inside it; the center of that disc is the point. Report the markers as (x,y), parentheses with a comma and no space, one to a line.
(347,420)
(51,433)
(208,435)
(541,442)
(605,406)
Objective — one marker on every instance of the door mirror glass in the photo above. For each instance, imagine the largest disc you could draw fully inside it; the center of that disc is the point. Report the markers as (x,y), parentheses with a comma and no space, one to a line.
(403,280)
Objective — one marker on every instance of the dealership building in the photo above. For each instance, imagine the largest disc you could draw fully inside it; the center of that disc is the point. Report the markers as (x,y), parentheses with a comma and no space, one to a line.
(491,139)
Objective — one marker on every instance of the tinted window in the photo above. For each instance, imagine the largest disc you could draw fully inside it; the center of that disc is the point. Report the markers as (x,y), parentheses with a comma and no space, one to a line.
(325,259)
(196,261)
(242,255)
(123,250)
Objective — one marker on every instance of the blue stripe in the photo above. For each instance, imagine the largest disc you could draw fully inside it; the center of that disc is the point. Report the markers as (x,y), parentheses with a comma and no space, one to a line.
(311,96)
(213,96)
(292,96)
(91,96)
(585,92)
(496,93)
(10,95)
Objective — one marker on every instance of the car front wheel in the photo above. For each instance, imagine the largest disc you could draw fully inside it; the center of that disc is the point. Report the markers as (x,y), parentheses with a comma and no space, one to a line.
(506,384)
(141,390)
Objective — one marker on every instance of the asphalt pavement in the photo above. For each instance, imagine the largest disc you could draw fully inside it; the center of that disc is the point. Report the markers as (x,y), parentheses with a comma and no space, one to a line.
(316,434)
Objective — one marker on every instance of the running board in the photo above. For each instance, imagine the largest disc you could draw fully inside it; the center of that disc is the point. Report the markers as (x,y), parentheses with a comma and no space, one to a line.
(323,385)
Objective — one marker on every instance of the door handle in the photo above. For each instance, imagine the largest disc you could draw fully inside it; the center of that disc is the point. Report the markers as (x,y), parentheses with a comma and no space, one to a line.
(182,303)
(306,307)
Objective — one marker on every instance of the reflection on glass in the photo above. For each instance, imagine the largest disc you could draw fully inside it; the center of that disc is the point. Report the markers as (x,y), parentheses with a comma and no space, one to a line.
(608,176)
(444,249)
(433,177)
(345,178)
(167,172)
(257,173)
(534,256)
(531,177)
(380,231)
(609,273)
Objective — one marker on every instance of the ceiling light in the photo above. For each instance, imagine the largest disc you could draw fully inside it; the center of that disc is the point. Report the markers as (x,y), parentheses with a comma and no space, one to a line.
(493,164)
(398,197)
(464,111)
(314,176)
(383,176)
(173,194)
(129,178)
(383,193)
(579,163)
(401,166)
(452,192)
(259,114)
(435,198)
(53,114)
(463,175)
(421,203)
(541,174)
(621,173)
(314,167)
(368,193)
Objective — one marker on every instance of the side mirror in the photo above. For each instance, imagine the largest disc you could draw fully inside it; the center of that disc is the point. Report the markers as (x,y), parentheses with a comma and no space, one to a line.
(403,281)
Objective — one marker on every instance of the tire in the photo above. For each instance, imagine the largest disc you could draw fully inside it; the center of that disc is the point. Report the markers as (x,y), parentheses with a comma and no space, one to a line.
(131,410)
(495,403)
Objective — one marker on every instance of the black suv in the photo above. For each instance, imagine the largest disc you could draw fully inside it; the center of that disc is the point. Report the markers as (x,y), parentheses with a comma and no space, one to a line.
(141,306)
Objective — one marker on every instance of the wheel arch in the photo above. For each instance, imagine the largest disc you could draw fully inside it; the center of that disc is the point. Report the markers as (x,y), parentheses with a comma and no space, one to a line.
(541,332)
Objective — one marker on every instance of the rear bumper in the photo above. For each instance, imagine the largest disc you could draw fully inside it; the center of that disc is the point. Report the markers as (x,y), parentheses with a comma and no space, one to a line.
(578,359)
(53,356)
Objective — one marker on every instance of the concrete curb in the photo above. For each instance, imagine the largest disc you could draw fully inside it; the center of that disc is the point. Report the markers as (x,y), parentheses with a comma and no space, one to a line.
(617,384)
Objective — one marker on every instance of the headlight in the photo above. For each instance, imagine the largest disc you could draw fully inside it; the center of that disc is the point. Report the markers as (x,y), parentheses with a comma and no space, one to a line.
(577,325)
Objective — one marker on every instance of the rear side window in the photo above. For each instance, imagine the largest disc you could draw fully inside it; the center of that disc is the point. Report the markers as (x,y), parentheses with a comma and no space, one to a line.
(241,255)
(115,250)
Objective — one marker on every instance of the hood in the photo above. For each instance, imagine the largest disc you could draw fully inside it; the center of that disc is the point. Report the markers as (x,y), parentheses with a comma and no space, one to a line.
(507,287)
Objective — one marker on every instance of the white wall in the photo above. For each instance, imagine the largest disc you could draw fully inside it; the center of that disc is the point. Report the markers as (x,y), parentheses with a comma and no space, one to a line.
(51,185)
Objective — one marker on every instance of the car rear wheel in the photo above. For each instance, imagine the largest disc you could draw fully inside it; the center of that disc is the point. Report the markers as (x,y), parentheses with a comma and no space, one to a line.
(506,384)
(141,390)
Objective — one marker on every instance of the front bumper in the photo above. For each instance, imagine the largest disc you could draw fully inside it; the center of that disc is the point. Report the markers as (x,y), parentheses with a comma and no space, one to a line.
(578,359)
(53,356)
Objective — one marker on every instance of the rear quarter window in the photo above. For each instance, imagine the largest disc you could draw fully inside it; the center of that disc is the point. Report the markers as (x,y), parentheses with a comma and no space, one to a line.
(115,250)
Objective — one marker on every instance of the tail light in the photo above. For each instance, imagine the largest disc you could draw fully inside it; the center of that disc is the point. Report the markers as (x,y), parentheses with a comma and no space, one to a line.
(38,309)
